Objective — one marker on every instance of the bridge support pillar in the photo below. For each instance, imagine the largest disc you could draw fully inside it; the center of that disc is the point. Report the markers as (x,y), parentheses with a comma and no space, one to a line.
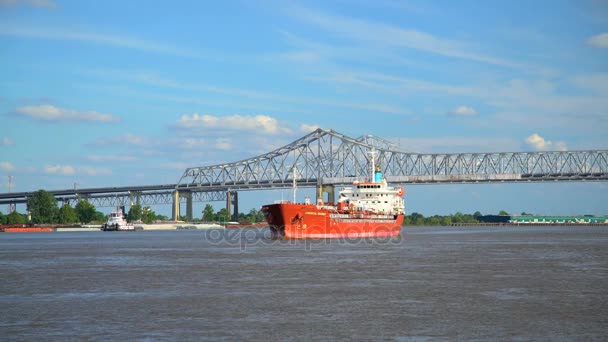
(134,198)
(175,209)
(232,201)
(188,196)
(326,189)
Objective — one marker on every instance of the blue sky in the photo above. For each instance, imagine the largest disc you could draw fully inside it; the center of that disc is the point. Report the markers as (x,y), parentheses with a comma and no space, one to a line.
(129,93)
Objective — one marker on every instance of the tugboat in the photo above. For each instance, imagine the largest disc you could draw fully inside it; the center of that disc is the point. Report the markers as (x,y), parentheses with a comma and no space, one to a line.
(117,221)
(367,209)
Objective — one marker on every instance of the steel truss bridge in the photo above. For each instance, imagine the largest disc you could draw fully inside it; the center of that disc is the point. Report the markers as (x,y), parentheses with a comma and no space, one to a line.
(325,159)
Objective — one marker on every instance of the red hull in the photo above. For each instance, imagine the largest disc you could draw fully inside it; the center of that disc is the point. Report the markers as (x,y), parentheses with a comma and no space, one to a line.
(28,230)
(301,221)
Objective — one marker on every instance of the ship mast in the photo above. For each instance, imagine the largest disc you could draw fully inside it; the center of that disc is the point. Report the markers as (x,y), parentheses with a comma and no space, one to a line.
(373,154)
(295,184)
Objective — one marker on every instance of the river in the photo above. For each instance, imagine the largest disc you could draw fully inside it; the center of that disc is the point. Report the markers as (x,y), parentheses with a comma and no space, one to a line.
(430,284)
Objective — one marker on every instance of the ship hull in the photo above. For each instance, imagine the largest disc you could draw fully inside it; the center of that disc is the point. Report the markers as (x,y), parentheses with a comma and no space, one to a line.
(28,229)
(302,221)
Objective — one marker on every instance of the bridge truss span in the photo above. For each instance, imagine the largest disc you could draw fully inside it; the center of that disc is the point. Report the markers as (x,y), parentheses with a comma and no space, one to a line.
(145,198)
(328,157)
(498,167)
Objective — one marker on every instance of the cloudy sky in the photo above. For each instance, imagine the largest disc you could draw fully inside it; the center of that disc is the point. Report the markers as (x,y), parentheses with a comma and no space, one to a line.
(110,93)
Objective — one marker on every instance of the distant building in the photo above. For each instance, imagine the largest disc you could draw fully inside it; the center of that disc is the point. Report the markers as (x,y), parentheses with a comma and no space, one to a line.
(541,219)
(494,218)
(580,219)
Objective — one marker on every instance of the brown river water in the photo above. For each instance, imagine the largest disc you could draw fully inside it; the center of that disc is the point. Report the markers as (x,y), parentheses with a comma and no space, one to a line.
(430,284)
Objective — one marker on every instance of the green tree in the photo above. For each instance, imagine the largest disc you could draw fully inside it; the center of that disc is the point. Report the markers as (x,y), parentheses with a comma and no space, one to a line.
(503,213)
(99,217)
(458,217)
(43,207)
(208,214)
(477,214)
(15,218)
(135,213)
(468,218)
(223,215)
(259,217)
(433,221)
(417,219)
(446,220)
(67,214)
(2,218)
(86,211)
(147,215)
(252,216)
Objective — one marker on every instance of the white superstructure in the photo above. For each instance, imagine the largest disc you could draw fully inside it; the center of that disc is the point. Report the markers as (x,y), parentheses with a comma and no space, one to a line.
(117,221)
(374,197)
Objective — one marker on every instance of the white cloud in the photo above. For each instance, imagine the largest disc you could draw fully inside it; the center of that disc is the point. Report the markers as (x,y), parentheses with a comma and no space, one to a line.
(52,113)
(111,158)
(65,170)
(190,143)
(539,143)
(94,171)
(599,40)
(175,166)
(127,139)
(69,170)
(122,41)
(6,141)
(456,144)
(595,82)
(271,101)
(464,111)
(254,124)
(6,166)
(308,128)
(34,3)
(391,36)
(223,144)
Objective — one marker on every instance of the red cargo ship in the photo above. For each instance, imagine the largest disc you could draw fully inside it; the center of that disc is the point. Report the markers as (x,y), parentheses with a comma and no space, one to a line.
(367,209)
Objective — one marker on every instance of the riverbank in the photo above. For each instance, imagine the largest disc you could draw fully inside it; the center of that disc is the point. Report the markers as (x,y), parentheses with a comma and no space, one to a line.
(25,228)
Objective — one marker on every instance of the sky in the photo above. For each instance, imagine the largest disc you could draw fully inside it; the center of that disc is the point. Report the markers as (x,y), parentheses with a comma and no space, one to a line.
(119,93)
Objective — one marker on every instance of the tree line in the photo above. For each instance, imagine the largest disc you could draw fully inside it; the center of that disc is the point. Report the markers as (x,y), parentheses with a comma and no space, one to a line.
(223,215)
(137,213)
(417,219)
(43,208)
